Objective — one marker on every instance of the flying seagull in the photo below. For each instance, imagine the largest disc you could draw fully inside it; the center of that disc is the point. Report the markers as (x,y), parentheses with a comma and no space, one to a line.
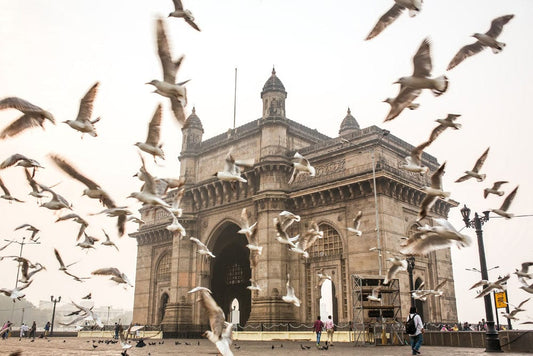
(474,173)
(412,86)
(202,248)
(253,285)
(35,190)
(487,39)
(78,219)
(29,227)
(290,297)
(495,189)
(414,7)
(116,275)
(15,293)
(411,106)
(282,236)
(21,161)
(524,271)
(374,297)
(179,11)
(88,242)
(502,211)
(152,144)
(83,121)
(108,241)
(33,116)
(57,202)
(148,194)
(26,274)
(170,69)
(449,121)
(490,286)
(432,193)
(413,162)
(396,266)
(356,224)
(175,226)
(233,168)
(440,236)
(301,165)
(516,310)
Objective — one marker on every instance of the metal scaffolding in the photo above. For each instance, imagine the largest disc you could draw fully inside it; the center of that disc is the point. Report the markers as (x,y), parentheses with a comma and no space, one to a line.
(376,323)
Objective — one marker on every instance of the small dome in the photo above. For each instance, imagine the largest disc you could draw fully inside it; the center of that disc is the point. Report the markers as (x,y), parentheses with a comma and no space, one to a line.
(273,84)
(193,121)
(349,123)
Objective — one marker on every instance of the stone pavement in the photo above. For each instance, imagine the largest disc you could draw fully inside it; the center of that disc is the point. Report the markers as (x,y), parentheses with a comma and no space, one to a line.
(84,346)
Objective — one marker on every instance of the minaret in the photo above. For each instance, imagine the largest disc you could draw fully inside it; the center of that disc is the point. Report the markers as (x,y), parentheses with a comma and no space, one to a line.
(273,96)
(192,133)
(349,124)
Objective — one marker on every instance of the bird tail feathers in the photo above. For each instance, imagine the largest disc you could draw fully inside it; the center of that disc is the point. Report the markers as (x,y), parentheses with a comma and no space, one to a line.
(498,49)
(441,85)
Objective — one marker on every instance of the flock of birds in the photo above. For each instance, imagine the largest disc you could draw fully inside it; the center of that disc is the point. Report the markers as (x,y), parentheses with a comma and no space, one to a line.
(427,239)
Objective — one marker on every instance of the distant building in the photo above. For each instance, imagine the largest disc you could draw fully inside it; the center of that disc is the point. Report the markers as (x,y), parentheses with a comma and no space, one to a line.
(168,267)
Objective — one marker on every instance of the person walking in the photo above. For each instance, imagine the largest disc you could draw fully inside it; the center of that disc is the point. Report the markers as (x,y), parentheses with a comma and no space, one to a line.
(330,329)
(46,330)
(33,330)
(5,330)
(416,333)
(117,329)
(317,327)
(23,329)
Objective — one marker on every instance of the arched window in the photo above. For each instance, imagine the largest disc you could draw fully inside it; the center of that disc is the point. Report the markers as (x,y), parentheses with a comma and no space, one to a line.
(329,245)
(163,268)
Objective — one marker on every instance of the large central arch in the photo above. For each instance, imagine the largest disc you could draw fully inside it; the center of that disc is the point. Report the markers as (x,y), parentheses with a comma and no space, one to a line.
(230,271)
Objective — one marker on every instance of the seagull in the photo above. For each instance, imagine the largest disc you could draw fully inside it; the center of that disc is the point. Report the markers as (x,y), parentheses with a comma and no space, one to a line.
(432,192)
(412,86)
(374,297)
(124,339)
(108,241)
(449,121)
(322,277)
(397,266)
(440,236)
(356,224)
(21,161)
(63,268)
(490,286)
(173,91)
(290,297)
(83,122)
(523,272)
(170,68)
(136,220)
(88,242)
(232,169)
(309,238)
(175,208)
(488,39)
(26,275)
(57,202)
(35,190)
(246,228)
(179,11)
(414,160)
(502,211)
(15,293)
(120,212)
(172,183)
(7,195)
(202,249)
(301,165)
(414,7)
(474,173)
(282,236)
(253,285)
(300,248)
(525,286)
(152,144)
(516,310)
(148,193)
(116,275)
(29,227)
(220,333)
(287,218)
(175,226)
(33,116)
(494,189)
(437,292)
(87,313)
(88,296)
(78,219)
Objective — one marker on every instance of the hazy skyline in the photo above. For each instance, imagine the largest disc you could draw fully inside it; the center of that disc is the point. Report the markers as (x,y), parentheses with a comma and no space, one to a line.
(53,52)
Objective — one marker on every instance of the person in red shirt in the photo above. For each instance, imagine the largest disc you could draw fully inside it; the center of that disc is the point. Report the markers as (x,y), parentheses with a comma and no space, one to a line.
(317,327)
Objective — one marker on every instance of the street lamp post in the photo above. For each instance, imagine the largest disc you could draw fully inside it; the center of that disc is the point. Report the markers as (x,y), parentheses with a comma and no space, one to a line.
(492,340)
(410,268)
(383,133)
(55,301)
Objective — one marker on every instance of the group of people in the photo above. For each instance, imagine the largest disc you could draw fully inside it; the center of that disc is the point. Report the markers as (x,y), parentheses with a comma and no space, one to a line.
(25,330)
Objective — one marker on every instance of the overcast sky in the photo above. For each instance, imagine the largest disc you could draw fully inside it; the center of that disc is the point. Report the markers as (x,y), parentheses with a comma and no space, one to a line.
(54,51)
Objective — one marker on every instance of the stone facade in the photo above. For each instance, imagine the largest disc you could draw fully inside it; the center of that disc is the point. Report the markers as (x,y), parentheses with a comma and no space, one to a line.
(167,266)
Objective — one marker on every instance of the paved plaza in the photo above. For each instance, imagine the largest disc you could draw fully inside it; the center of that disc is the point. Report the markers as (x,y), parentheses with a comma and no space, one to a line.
(84,346)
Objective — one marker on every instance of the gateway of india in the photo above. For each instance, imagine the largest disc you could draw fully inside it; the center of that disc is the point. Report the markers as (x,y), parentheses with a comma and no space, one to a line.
(356,171)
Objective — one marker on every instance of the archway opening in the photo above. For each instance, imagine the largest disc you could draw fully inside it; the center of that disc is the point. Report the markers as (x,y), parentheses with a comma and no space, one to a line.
(230,273)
